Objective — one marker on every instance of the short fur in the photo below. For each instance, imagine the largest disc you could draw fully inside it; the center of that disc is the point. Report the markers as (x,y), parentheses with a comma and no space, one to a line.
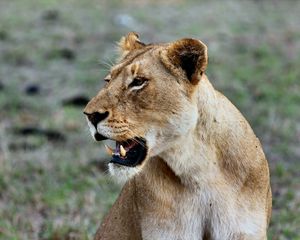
(205,176)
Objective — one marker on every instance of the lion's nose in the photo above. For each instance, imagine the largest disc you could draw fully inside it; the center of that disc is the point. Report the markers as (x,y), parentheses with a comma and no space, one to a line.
(96,117)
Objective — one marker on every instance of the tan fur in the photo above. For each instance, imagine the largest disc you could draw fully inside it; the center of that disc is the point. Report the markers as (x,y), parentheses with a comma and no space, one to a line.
(205,176)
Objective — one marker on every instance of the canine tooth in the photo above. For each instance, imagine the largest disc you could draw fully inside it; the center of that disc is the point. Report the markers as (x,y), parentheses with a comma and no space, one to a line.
(122,151)
(109,150)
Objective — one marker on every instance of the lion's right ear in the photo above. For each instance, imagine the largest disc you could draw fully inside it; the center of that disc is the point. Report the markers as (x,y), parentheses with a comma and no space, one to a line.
(189,55)
(130,42)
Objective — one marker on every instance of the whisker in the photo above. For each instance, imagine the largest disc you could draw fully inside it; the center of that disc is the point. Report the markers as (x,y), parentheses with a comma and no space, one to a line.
(111,62)
(105,65)
(103,70)
(108,63)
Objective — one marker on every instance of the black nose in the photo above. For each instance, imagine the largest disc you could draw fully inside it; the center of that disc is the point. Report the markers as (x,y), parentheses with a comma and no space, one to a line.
(96,117)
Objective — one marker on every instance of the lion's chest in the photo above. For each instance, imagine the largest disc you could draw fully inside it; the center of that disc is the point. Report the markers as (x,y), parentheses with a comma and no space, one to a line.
(207,212)
(184,220)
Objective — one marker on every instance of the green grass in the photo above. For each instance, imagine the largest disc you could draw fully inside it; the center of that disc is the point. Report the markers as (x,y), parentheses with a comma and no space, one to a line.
(55,189)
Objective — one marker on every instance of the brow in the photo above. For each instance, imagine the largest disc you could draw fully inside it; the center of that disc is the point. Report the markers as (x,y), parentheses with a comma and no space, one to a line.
(116,72)
(128,60)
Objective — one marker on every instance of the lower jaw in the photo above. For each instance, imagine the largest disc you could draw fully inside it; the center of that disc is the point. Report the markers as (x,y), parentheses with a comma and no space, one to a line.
(129,161)
(125,163)
(122,174)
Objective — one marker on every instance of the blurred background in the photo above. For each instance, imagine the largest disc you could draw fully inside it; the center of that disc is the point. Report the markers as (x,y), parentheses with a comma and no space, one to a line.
(53,57)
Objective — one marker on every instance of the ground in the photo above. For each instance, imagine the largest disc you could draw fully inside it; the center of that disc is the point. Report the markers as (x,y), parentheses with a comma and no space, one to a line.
(53,57)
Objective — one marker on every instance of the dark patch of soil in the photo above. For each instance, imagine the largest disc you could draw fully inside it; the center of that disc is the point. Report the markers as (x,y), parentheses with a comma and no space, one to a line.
(51,135)
(32,89)
(51,15)
(78,101)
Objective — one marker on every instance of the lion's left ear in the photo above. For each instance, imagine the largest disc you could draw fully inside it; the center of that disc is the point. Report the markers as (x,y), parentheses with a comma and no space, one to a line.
(130,42)
(187,54)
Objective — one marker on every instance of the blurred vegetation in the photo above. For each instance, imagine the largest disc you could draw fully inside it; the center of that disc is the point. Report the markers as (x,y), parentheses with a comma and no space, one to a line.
(53,56)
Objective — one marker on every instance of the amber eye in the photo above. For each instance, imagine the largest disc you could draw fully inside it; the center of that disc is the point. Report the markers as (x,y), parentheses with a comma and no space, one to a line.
(137,82)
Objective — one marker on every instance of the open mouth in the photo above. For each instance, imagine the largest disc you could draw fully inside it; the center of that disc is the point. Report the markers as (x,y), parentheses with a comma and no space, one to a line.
(130,153)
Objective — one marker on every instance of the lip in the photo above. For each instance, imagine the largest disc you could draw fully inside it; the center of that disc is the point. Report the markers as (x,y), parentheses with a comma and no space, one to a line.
(136,152)
(99,137)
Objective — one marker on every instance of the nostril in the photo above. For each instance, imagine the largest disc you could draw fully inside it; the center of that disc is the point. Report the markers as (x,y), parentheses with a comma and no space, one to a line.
(97,117)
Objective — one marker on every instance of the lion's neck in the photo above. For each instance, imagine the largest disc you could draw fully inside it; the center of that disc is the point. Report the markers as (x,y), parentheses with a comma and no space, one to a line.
(193,161)
(193,156)
(216,146)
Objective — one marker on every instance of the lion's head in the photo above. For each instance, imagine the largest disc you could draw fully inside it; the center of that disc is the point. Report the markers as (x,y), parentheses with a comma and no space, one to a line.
(148,101)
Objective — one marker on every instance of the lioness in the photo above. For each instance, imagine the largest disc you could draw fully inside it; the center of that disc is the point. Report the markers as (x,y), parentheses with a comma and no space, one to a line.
(195,168)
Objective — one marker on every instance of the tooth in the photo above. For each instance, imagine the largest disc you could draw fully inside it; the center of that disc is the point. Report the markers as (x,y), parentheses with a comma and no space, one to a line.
(109,150)
(122,151)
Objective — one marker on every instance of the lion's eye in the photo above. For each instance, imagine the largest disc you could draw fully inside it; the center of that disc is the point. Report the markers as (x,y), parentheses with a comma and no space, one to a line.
(107,80)
(137,82)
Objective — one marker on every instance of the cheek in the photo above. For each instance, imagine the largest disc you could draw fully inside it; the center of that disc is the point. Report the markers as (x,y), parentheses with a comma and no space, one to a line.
(182,115)
(161,114)
(144,99)
(160,138)
(186,120)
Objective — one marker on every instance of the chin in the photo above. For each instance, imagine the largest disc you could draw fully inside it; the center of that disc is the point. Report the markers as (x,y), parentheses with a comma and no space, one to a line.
(122,174)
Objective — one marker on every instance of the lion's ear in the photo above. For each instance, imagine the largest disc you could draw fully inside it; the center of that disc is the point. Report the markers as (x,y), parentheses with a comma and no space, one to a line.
(130,42)
(188,54)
